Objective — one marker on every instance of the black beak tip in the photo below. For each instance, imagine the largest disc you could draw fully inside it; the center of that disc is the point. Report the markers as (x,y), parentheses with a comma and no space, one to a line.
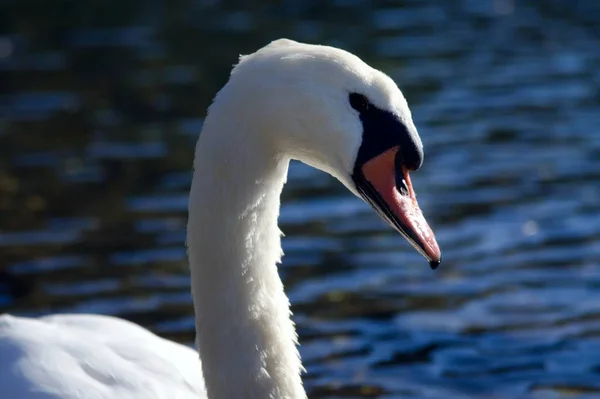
(435,263)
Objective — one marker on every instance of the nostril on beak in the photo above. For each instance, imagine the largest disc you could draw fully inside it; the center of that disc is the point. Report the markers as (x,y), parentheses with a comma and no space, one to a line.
(401,185)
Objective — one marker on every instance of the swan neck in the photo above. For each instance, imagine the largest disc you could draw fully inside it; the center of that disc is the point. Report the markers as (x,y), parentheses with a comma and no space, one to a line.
(245,338)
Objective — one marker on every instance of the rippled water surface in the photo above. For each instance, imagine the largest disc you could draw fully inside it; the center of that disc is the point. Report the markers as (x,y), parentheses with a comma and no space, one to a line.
(105,101)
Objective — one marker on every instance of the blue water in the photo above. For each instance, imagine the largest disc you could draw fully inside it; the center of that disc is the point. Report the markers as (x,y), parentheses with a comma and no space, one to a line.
(104,101)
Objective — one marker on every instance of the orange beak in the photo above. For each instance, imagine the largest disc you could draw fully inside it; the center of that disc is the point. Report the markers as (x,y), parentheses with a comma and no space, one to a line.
(385,184)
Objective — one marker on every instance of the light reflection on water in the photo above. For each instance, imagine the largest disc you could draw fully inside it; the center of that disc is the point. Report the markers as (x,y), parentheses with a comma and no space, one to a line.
(96,146)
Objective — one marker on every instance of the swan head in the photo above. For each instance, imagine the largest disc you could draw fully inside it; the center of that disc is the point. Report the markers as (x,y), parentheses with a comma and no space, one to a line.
(329,109)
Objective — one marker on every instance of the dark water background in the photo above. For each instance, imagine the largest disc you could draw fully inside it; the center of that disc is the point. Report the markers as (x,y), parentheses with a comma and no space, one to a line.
(102,102)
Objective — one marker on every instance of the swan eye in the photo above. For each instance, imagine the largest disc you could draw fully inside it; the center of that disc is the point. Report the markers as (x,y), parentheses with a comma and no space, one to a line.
(359,102)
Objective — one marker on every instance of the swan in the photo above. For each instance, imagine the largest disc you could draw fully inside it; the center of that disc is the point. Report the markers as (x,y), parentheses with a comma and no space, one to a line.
(288,100)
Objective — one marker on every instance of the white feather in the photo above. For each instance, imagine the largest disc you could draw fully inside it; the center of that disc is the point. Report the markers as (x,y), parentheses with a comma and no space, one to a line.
(286,101)
(92,357)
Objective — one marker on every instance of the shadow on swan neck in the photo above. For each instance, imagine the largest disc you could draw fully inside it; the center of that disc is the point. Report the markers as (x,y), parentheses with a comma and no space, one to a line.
(246,340)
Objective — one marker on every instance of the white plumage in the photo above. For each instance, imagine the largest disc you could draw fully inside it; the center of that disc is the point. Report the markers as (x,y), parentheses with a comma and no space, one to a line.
(92,357)
(286,101)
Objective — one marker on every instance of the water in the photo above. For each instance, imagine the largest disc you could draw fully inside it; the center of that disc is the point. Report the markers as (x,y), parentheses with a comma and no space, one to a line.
(105,101)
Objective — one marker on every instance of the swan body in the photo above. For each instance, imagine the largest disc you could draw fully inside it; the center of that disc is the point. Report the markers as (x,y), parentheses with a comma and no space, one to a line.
(95,357)
(289,100)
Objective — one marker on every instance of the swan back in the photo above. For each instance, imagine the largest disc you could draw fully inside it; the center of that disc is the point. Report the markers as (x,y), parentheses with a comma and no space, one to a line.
(93,356)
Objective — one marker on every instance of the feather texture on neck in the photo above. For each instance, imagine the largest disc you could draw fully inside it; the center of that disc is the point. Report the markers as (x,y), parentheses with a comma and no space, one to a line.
(243,325)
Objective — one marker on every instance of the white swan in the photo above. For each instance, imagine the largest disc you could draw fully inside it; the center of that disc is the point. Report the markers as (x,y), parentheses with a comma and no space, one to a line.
(289,100)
